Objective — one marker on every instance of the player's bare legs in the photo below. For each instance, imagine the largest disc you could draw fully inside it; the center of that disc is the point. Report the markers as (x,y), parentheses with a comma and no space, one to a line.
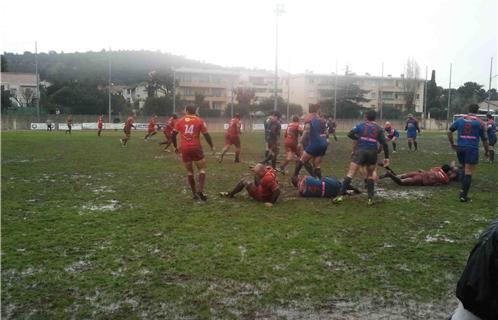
(225,149)
(237,154)
(201,167)
(346,183)
(317,171)
(191,179)
(241,185)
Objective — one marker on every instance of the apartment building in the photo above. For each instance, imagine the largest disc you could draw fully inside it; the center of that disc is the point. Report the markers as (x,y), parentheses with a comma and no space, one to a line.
(22,87)
(309,88)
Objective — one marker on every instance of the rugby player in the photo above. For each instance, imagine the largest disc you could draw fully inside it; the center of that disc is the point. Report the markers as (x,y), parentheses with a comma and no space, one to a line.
(232,137)
(392,134)
(326,187)
(411,129)
(168,129)
(69,123)
(151,129)
(127,130)
(331,126)
(100,125)
(267,134)
(274,128)
(190,127)
(291,136)
(318,143)
(366,135)
(491,127)
(265,186)
(434,177)
(470,129)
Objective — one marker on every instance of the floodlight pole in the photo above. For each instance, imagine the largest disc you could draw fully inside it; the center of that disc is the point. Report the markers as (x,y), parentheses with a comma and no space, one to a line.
(425,97)
(174,90)
(278,12)
(231,103)
(380,91)
(449,100)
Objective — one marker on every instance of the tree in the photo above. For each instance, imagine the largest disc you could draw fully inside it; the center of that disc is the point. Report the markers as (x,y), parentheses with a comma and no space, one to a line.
(244,96)
(160,106)
(267,105)
(411,83)
(349,97)
(199,101)
(6,103)
(28,96)
(3,66)
(160,82)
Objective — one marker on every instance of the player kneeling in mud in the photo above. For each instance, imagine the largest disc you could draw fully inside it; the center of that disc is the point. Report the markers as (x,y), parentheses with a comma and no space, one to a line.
(325,187)
(264,187)
(434,177)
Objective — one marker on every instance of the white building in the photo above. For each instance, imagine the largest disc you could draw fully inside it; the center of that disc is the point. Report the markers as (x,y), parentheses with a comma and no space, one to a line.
(22,87)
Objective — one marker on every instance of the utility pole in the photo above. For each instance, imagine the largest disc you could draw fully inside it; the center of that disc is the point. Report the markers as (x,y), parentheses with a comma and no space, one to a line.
(110,76)
(335,91)
(425,96)
(279,10)
(449,100)
(174,90)
(288,96)
(231,104)
(380,91)
(38,83)
(490,79)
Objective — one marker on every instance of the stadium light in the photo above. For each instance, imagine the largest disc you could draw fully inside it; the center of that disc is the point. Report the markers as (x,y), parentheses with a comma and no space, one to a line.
(279,10)
(449,100)
(110,84)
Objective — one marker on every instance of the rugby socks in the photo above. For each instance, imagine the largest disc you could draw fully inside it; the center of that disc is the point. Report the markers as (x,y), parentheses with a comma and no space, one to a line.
(237,156)
(415,144)
(394,146)
(396,179)
(274,161)
(202,181)
(268,157)
(318,173)
(267,152)
(191,182)
(467,180)
(238,188)
(345,184)
(309,168)
(299,165)
(370,188)
(410,145)
(491,156)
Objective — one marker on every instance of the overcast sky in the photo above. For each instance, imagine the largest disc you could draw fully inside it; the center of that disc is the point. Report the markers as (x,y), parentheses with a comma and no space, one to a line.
(313,34)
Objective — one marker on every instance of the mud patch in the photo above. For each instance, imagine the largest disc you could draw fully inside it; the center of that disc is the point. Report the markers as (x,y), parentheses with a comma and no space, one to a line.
(106,206)
(409,194)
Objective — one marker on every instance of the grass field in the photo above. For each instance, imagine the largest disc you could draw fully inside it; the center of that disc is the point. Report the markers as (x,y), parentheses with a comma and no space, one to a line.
(93,230)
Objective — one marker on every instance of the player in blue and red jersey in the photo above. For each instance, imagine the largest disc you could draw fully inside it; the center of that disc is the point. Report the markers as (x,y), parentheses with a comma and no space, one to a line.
(190,128)
(326,187)
(273,126)
(491,128)
(392,134)
(366,135)
(318,143)
(411,129)
(232,137)
(470,129)
(331,127)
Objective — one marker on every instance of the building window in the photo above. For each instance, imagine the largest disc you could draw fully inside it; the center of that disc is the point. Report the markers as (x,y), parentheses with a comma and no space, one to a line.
(387,95)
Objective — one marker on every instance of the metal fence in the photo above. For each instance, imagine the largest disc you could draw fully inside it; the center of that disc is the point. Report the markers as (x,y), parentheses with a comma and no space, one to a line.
(23,122)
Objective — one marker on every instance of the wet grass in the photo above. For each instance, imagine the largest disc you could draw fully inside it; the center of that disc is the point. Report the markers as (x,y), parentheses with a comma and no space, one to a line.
(93,230)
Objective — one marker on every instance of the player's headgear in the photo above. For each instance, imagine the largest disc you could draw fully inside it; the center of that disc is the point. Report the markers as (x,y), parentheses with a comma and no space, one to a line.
(387,125)
(446,168)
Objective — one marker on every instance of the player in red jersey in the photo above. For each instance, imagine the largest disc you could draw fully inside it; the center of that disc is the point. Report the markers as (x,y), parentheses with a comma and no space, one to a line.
(434,177)
(232,137)
(100,125)
(69,123)
(190,127)
(264,188)
(168,130)
(151,129)
(291,142)
(127,130)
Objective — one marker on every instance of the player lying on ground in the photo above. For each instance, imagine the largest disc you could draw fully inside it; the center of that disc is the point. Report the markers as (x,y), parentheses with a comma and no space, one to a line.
(326,187)
(318,143)
(232,137)
(151,129)
(190,127)
(292,148)
(127,130)
(264,187)
(169,127)
(470,129)
(367,135)
(491,126)
(434,177)
(411,129)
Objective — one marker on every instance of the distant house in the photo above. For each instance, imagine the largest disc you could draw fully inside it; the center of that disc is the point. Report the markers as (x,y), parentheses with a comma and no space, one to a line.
(137,93)
(22,87)
(493,106)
